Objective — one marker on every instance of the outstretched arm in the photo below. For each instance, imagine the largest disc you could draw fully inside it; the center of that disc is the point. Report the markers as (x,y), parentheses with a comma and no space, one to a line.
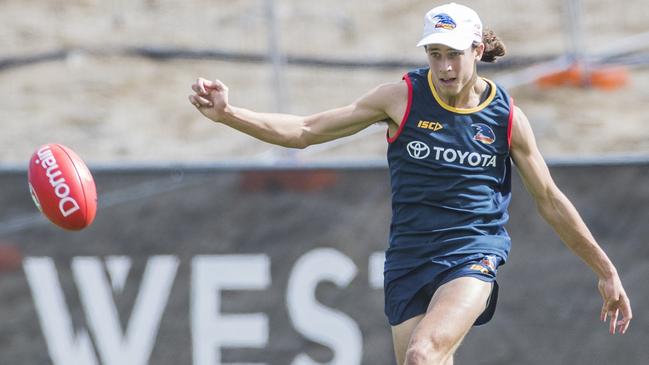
(559,212)
(383,102)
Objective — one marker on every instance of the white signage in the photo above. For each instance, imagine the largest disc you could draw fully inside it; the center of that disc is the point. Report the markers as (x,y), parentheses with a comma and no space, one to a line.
(211,330)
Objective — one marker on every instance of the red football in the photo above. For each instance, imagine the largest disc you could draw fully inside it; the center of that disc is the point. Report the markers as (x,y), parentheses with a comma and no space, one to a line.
(62,187)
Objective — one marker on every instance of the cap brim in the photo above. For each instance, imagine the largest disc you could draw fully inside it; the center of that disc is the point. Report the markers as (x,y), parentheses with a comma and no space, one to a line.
(446,39)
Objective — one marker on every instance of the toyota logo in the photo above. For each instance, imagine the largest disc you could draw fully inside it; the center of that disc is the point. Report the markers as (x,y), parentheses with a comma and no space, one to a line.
(418,150)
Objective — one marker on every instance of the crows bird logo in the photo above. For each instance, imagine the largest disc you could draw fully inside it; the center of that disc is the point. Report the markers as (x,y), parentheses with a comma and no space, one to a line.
(483,133)
(444,21)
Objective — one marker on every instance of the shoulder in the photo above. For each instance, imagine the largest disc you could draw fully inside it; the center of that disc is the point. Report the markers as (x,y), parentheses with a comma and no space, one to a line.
(388,93)
(417,78)
(522,136)
(519,118)
(419,73)
(394,88)
(390,98)
(500,92)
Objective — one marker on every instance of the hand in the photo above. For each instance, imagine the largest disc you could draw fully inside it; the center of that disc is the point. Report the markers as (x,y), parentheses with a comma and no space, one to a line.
(615,301)
(210,98)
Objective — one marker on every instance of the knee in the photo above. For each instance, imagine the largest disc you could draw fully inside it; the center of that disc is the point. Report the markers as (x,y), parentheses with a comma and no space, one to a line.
(434,350)
(417,355)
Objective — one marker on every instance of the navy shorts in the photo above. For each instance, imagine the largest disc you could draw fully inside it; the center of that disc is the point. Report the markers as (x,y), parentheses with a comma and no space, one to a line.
(408,292)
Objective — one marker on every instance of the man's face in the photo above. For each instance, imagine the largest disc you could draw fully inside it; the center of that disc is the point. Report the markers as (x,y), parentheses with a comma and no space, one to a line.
(452,69)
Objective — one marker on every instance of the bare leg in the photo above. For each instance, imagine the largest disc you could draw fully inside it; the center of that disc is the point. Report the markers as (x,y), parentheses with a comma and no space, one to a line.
(401,337)
(450,315)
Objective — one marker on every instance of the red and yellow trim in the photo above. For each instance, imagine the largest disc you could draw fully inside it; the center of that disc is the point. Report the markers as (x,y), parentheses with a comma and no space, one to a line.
(511,122)
(453,109)
(406,78)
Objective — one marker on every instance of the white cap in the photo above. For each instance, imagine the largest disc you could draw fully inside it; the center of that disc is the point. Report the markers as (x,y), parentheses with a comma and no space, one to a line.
(453,25)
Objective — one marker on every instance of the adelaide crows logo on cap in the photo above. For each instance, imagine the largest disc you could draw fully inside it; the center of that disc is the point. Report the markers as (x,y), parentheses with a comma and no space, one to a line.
(483,133)
(444,21)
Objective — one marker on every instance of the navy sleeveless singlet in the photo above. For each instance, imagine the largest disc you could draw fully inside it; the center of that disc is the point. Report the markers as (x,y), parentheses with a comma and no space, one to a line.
(450,174)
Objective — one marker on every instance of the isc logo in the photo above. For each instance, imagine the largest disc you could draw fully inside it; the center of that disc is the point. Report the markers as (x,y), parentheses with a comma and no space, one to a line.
(434,126)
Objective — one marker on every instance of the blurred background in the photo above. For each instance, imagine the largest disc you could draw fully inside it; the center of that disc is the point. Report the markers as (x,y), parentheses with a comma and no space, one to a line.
(210,247)
(111,78)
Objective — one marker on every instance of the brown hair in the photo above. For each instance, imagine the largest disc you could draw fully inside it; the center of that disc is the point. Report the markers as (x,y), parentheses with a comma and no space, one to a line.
(493,46)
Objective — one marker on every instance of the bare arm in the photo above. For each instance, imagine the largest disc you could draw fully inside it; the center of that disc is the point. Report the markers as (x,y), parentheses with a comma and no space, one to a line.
(383,102)
(559,212)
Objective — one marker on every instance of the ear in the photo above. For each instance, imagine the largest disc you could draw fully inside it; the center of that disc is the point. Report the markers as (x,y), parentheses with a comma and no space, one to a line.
(479,51)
